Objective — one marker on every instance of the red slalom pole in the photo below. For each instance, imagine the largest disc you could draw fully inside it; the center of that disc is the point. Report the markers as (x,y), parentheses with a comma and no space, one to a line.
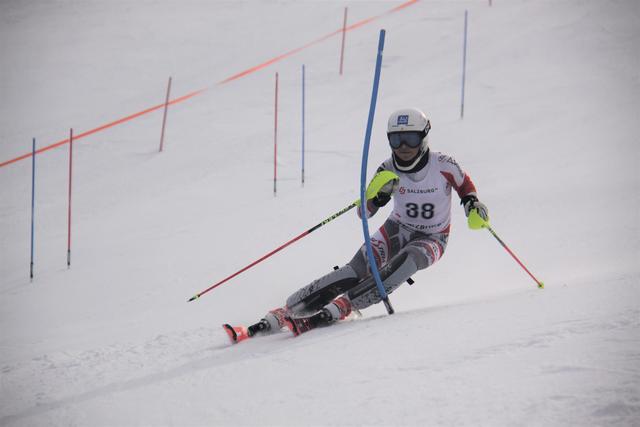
(69,216)
(344,32)
(164,116)
(295,239)
(275,141)
(33,201)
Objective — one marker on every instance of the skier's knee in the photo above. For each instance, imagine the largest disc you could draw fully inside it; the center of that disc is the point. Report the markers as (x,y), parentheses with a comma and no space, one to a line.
(405,264)
(359,264)
(393,274)
(419,258)
(321,291)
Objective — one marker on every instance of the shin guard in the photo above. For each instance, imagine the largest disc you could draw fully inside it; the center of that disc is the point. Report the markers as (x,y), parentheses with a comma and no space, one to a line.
(339,308)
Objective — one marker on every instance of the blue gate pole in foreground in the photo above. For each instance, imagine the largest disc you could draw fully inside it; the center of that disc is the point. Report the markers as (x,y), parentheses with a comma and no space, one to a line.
(363,178)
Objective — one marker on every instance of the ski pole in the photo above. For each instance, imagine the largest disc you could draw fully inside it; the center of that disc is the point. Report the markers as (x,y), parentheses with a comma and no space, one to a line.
(295,239)
(476,222)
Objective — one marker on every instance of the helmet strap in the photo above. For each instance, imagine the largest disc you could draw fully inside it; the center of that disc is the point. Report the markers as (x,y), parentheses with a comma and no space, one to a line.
(408,165)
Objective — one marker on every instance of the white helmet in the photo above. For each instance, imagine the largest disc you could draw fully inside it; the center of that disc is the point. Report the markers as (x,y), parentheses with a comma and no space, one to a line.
(408,126)
(408,120)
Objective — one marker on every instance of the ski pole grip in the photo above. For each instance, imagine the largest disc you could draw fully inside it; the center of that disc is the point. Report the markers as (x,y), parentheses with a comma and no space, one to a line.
(475,221)
(379,180)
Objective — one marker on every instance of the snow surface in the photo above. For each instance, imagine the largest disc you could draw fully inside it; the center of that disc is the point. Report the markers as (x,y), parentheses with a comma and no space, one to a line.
(549,137)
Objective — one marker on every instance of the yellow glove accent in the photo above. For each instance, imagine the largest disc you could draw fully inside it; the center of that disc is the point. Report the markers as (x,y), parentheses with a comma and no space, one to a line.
(378,181)
(475,221)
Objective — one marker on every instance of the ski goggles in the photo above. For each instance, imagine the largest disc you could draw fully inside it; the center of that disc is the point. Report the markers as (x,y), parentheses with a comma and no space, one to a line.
(410,139)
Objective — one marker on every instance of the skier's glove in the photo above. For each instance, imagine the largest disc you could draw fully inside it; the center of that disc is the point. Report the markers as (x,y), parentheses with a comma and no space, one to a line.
(384,194)
(470,203)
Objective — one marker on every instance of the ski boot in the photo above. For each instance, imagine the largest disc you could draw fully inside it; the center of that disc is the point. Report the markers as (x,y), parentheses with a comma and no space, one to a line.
(339,309)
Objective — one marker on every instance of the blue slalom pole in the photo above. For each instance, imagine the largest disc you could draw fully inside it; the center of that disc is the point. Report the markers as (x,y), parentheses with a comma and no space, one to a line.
(303,102)
(464,63)
(363,178)
(33,198)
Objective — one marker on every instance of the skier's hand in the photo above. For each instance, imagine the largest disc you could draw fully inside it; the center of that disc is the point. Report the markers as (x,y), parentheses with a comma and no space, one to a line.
(471,202)
(384,194)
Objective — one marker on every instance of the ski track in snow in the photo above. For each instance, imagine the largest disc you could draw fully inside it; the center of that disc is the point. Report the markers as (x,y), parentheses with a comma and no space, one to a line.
(67,379)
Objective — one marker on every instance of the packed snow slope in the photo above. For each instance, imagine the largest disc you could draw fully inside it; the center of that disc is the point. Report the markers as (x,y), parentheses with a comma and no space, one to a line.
(549,136)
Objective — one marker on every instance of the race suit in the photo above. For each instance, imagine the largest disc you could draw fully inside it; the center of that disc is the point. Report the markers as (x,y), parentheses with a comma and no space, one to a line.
(413,237)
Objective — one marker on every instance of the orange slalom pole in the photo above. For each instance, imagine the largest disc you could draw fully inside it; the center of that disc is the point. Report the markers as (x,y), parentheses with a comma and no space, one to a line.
(164,115)
(344,32)
(275,141)
(103,127)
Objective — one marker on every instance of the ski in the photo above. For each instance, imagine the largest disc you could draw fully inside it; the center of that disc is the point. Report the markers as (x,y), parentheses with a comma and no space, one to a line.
(236,334)
(297,325)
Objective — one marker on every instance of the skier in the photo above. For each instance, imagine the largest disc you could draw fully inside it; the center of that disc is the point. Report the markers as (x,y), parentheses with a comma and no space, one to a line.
(413,237)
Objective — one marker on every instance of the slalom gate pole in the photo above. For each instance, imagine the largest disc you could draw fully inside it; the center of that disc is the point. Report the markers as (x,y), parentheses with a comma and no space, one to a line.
(344,32)
(278,249)
(164,114)
(363,178)
(69,216)
(275,140)
(303,124)
(464,64)
(33,202)
(236,76)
